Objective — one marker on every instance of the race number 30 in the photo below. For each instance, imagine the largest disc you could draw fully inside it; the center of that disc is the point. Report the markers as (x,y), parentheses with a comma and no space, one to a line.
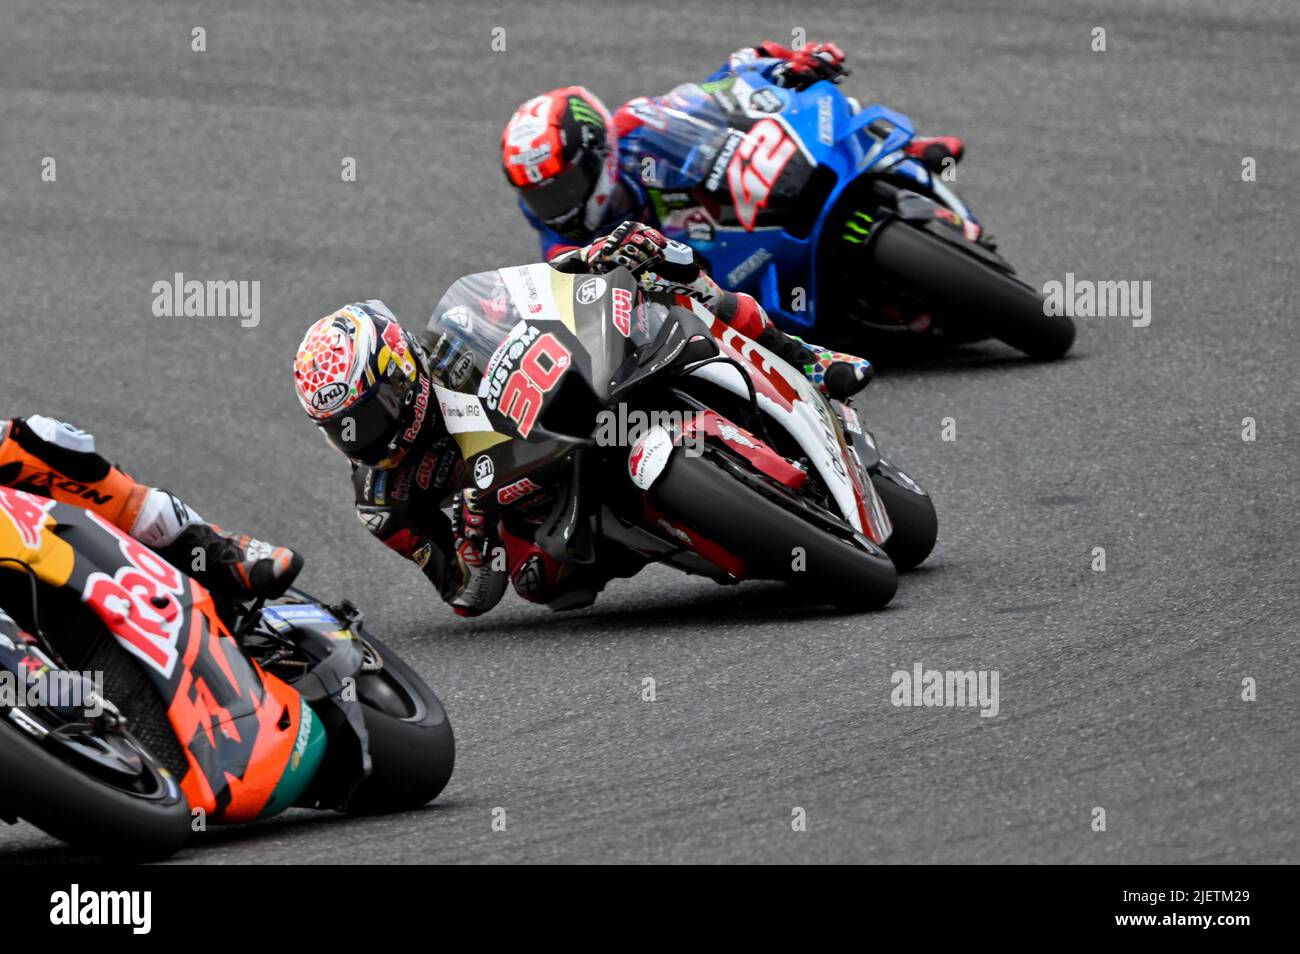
(541,367)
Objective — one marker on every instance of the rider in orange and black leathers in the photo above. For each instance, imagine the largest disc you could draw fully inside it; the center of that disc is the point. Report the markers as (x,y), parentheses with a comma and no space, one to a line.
(44,456)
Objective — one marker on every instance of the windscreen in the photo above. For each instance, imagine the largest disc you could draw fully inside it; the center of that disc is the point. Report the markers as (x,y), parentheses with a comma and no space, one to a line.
(681,137)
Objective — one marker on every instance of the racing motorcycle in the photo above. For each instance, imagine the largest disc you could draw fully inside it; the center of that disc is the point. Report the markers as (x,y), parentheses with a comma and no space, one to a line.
(187,708)
(812,206)
(731,464)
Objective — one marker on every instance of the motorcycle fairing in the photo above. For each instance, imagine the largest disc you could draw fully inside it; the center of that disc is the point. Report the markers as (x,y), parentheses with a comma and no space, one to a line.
(704,146)
(241,730)
(742,442)
(527,330)
(787,397)
(704,194)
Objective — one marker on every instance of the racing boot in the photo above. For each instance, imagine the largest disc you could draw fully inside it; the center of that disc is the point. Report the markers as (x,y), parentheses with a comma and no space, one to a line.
(230,565)
(934,150)
(235,566)
(837,375)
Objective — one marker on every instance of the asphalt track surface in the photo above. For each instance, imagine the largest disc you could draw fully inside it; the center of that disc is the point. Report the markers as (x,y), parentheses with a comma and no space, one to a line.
(1118,689)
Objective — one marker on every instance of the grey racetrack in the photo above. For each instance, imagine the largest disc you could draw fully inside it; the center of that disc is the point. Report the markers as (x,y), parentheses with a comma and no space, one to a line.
(1119,690)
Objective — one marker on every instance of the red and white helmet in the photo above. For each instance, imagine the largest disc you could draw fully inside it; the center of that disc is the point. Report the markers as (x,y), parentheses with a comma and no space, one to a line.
(560,152)
(362,380)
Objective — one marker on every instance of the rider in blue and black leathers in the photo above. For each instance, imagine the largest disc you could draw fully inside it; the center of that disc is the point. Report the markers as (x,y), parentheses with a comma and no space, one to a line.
(579,171)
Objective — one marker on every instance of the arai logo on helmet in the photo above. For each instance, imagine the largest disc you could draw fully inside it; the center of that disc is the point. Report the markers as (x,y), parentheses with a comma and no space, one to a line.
(590,290)
(484,471)
(330,396)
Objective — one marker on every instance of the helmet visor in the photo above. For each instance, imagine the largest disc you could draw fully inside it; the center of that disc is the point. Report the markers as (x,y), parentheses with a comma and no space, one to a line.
(559,199)
(364,431)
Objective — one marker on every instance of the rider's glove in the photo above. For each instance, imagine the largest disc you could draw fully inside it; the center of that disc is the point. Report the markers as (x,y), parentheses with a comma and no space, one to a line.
(638,247)
(770,49)
(816,61)
(660,264)
(475,585)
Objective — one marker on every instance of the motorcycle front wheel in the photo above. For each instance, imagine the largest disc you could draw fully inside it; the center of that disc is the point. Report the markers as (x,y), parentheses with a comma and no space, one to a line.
(776,535)
(100,792)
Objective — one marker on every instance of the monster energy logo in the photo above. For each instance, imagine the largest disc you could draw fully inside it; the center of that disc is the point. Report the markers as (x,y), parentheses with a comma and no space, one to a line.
(721,90)
(583,113)
(855,230)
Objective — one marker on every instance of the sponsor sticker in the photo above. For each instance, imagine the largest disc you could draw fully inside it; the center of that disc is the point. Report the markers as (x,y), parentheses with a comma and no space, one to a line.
(735,435)
(516,491)
(723,160)
(141,602)
(589,291)
(825,121)
(748,267)
(764,101)
(462,366)
(26,512)
(300,613)
(462,413)
(529,286)
(649,456)
(425,471)
(622,317)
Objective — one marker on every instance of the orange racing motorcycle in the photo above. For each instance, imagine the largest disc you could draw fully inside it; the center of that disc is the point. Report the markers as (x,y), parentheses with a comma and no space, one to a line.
(172,706)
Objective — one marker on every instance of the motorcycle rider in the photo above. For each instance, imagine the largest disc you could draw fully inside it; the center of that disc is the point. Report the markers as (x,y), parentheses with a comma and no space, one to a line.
(50,458)
(366,383)
(576,168)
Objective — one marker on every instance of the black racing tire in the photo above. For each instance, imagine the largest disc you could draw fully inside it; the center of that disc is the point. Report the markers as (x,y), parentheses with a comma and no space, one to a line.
(763,531)
(916,526)
(412,748)
(961,288)
(88,813)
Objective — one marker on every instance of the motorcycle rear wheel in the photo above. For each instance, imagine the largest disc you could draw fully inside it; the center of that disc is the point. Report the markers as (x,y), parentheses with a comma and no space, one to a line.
(412,747)
(964,290)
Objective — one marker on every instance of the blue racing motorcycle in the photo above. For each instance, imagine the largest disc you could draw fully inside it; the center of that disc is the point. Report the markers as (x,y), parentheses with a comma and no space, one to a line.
(812,205)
